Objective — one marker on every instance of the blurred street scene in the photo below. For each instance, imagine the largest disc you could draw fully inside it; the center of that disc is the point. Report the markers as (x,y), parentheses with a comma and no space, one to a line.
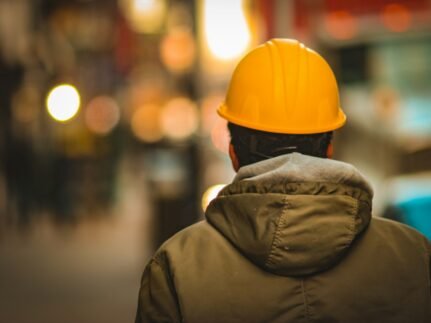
(110,142)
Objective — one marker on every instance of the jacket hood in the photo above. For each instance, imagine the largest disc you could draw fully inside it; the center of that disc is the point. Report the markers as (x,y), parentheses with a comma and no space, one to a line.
(293,215)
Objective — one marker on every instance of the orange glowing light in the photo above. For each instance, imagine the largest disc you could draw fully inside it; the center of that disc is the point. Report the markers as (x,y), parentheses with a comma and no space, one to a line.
(179,118)
(178,49)
(341,24)
(102,115)
(396,17)
(146,123)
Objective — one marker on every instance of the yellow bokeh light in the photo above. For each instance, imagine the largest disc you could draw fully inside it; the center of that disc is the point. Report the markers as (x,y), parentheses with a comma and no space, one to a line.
(210,194)
(144,5)
(63,102)
(226,28)
(144,16)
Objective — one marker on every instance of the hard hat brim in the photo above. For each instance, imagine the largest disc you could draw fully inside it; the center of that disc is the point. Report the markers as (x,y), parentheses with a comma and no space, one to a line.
(339,122)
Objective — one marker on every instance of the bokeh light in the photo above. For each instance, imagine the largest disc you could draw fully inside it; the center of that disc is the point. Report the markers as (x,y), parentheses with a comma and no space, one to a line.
(341,24)
(178,49)
(102,114)
(144,16)
(210,194)
(396,17)
(63,102)
(145,123)
(147,86)
(226,28)
(179,118)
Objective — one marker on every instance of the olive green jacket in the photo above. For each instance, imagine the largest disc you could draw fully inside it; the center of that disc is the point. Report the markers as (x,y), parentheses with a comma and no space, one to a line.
(290,240)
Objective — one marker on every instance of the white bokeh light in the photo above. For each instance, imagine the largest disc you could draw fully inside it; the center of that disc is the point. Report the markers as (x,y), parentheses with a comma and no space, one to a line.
(63,102)
(226,28)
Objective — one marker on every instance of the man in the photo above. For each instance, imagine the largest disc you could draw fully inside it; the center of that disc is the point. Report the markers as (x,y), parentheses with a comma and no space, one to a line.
(291,239)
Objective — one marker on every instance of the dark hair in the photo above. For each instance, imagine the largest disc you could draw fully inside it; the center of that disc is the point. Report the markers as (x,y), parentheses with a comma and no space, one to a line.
(252,145)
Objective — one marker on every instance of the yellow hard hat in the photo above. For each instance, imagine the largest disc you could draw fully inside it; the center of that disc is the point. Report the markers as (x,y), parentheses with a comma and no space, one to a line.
(283,87)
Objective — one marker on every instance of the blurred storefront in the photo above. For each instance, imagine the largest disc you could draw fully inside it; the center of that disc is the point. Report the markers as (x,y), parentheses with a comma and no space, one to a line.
(110,143)
(381,53)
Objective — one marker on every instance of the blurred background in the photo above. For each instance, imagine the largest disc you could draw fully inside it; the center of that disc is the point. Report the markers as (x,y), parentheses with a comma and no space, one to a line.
(109,140)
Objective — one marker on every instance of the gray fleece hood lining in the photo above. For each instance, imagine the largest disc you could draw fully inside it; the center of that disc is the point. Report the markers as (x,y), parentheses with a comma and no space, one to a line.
(298,168)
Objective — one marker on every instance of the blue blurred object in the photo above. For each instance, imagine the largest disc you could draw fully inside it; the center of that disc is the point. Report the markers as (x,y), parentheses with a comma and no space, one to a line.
(415,118)
(416,212)
(409,201)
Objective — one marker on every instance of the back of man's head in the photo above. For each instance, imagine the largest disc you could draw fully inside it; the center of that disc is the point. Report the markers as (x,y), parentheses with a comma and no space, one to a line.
(252,146)
(282,98)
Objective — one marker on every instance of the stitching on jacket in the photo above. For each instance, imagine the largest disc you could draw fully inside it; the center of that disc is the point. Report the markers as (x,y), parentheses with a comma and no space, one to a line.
(349,190)
(355,212)
(276,238)
(353,227)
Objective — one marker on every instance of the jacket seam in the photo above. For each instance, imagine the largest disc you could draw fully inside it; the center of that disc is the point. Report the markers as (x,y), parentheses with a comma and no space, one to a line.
(351,190)
(306,305)
(277,233)
(355,214)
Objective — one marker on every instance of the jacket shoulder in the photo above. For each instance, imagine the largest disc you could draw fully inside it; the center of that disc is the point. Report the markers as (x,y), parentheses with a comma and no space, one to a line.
(398,227)
(200,235)
(399,233)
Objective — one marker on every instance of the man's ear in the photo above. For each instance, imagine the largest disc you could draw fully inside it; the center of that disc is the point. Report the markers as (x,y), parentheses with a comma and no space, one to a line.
(330,150)
(233,157)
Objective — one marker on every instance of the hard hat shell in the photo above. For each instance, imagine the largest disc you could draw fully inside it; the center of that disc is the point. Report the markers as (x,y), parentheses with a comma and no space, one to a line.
(283,87)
